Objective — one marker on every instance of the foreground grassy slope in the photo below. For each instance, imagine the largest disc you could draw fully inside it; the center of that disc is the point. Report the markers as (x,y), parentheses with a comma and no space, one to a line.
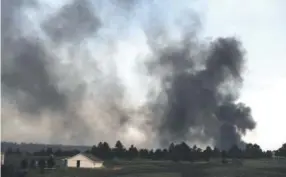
(250,168)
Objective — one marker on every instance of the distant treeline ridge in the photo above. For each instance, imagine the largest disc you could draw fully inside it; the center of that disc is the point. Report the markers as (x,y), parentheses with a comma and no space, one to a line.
(175,152)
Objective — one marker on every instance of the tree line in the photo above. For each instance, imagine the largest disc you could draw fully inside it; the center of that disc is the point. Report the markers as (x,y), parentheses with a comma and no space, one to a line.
(281,151)
(175,152)
(45,158)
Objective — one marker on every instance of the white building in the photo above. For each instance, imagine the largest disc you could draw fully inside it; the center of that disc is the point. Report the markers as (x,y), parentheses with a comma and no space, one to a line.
(83,160)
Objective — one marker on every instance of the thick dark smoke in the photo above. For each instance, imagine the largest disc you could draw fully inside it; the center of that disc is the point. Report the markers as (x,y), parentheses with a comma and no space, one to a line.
(50,78)
(202,92)
(51,74)
(28,73)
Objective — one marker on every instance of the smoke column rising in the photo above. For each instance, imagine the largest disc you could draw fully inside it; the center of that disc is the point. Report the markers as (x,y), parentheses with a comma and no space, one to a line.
(199,92)
(60,72)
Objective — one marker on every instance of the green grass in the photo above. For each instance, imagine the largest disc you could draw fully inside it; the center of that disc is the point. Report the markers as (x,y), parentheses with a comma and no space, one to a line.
(250,168)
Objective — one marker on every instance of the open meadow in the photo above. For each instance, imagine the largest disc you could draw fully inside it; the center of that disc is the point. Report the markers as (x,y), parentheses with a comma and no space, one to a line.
(247,168)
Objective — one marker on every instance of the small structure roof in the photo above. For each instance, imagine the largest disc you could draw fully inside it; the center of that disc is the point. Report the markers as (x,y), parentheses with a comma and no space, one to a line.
(89,156)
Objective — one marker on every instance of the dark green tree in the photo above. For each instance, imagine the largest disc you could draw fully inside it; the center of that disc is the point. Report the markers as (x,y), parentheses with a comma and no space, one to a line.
(165,154)
(197,153)
(235,152)
(216,153)
(207,153)
(119,145)
(119,150)
(173,152)
(151,154)
(143,153)
(268,154)
(183,152)
(51,162)
(95,151)
(24,164)
(104,150)
(158,154)
(281,151)
(253,151)
(133,152)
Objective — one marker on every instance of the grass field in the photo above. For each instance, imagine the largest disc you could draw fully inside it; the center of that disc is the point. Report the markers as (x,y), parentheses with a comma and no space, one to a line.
(249,168)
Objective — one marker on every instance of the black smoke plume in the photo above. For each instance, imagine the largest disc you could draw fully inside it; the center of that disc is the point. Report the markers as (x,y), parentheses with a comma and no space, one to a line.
(50,73)
(199,92)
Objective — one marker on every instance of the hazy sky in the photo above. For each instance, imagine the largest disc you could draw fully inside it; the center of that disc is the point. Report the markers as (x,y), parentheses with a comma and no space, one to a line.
(259,24)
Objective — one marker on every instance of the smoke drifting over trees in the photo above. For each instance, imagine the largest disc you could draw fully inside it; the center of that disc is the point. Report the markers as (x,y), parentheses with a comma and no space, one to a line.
(203,94)
(52,75)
